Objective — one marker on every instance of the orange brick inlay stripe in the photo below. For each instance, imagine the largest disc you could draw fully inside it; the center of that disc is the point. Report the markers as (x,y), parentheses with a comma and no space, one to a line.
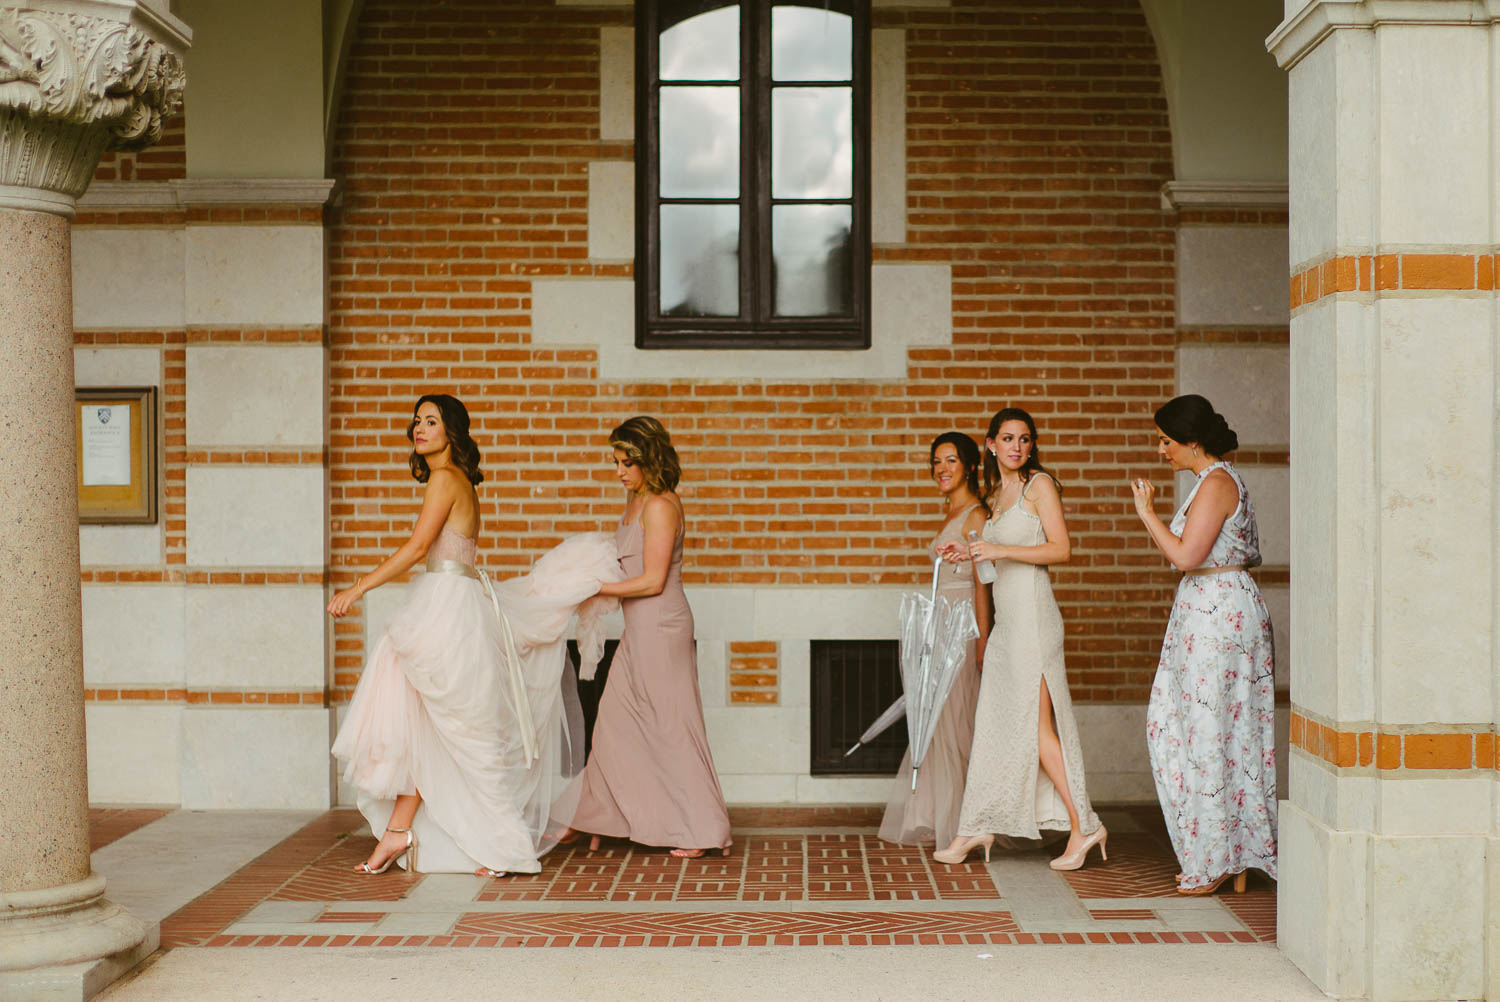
(754,671)
(1470,749)
(1389,272)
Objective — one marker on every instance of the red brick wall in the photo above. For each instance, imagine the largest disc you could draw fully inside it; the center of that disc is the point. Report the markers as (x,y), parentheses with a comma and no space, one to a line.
(1037,143)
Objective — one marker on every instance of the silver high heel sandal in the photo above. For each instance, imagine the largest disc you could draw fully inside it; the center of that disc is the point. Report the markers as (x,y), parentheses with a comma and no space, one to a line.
(410,852)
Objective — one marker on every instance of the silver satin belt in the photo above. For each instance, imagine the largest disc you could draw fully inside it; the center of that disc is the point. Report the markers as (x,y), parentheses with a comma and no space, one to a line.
(519,699)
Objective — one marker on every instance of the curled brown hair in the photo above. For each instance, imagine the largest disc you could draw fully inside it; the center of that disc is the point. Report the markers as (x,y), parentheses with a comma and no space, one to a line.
(461,448)
(645,442)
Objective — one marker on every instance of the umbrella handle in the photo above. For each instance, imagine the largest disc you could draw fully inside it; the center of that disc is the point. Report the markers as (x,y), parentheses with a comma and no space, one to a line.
(937,568)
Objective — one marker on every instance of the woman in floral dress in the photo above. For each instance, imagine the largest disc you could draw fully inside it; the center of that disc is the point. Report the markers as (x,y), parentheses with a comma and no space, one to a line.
(1210,727)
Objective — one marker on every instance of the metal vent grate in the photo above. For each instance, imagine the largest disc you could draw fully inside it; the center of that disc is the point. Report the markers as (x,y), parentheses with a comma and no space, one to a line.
(852,682)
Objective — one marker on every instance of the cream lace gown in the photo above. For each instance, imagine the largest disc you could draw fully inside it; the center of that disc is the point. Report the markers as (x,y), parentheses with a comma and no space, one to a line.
(930,813)
(1210,726)
(477,714)
(1007,792)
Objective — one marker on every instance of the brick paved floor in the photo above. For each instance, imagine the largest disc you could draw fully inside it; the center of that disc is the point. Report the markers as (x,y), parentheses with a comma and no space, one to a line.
(796,876)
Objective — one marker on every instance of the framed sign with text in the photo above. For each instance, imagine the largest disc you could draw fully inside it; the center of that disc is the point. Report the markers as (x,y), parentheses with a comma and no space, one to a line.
(117,448)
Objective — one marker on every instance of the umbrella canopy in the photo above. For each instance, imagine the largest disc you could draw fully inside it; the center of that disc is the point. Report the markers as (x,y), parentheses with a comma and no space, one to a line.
(935,634)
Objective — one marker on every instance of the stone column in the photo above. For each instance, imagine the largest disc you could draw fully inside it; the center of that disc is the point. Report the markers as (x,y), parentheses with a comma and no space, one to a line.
(76,78)
(1390,864)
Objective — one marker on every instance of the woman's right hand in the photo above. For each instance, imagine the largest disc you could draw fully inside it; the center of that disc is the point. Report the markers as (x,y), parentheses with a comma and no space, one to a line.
(343,601)
(954,553)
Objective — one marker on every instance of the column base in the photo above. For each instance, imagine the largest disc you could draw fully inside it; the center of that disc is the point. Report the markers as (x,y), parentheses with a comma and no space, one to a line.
(1386,917)
(68,942)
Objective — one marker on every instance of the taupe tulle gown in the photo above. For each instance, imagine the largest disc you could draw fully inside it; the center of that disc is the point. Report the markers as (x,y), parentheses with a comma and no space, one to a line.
(650,777)
(1007,792)
(930,813)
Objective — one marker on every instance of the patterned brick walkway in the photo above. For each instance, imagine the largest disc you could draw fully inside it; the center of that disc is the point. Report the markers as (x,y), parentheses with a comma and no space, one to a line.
(797,876)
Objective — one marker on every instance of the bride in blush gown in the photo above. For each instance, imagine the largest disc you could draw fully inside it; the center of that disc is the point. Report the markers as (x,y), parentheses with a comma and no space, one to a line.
(464,737)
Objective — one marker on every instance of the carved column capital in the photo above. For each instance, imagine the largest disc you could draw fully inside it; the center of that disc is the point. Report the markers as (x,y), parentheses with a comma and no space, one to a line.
(71,87)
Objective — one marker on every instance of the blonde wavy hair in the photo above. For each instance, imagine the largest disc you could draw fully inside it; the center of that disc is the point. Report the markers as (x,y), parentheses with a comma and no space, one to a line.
(645,441)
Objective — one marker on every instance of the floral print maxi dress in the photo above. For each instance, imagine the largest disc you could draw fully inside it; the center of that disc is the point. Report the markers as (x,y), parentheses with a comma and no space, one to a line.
(1210,727)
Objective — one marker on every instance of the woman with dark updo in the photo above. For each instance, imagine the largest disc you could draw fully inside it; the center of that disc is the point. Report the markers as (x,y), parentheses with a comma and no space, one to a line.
(1210,727)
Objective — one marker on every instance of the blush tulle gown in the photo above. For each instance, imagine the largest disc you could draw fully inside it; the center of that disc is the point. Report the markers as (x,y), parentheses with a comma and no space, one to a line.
(478,711)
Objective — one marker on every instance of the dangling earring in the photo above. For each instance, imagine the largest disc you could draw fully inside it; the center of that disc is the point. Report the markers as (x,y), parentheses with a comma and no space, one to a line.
(1195,452)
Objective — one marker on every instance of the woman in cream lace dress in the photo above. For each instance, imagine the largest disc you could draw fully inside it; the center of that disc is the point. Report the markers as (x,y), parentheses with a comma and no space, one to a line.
(1026,763)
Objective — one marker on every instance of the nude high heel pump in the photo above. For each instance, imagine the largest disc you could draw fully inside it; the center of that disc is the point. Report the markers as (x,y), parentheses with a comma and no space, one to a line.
(1075,860)
(959,850)
(410,852)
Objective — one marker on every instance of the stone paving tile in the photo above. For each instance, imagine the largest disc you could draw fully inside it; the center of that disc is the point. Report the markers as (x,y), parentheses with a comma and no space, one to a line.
(107,824)
(835,885)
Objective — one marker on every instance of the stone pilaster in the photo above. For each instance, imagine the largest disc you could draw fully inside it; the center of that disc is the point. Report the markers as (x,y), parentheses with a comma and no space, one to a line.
(75,79)
(1389,854)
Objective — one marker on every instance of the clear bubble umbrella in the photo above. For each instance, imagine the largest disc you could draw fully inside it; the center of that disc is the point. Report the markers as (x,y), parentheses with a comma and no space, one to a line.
(935,634)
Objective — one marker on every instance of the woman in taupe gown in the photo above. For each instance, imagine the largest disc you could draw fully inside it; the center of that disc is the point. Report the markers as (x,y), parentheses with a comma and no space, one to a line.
(650,777)
(929,814)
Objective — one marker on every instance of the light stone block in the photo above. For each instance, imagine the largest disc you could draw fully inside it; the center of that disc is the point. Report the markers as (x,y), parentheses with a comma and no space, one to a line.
(1271,496)
(1232,276)
(1250,386)
(1453,805)
(844,789)
(120,545)
(254,275)
(255,637)
(1433,87)
(132,635)
(713,674)
(910,305)
(262,758)
(256,396)
(1332,130)
(779,789)
(1347,802)
(128,277)
(759,739)
(1427,913)
(1437,525)
(1279,605)
(612,210)
(1322,902)
(133,753)
(261,516)
(826,614)
(888,136)
(616,84)
(117,367)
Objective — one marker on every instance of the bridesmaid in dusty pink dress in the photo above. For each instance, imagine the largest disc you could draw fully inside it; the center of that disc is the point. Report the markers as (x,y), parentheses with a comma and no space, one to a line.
(650,777)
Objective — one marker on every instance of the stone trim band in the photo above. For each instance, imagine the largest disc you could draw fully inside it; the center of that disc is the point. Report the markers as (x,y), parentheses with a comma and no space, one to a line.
(213,697)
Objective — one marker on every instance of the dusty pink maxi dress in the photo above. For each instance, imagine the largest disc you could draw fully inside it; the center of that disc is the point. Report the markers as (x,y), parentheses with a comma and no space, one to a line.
(650,777)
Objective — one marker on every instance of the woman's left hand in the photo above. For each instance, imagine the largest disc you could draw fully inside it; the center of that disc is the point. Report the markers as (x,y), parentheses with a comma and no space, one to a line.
(982,550)
(342,602)
(1145,497)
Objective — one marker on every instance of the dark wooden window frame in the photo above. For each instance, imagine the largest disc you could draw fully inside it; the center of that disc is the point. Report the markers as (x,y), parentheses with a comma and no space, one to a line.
(760,329)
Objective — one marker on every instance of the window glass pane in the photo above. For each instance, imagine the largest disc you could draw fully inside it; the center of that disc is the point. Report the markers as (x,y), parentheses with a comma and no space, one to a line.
(700,260)
(810,245)
(812,149)
(704,47)
(811,44)
(700,142)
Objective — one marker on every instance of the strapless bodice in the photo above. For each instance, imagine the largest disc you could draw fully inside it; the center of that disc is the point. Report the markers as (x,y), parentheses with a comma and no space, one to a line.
(451,545)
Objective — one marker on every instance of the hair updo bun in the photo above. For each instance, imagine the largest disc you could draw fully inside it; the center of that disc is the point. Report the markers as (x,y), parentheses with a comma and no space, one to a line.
(1191,418)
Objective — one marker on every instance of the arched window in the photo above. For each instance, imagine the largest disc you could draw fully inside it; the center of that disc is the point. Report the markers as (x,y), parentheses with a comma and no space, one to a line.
(753,174)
